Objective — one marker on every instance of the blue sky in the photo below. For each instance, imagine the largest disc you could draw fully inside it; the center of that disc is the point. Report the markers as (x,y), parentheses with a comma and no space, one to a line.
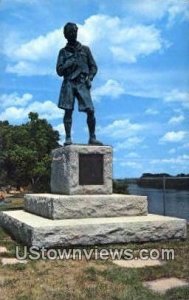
(140,93)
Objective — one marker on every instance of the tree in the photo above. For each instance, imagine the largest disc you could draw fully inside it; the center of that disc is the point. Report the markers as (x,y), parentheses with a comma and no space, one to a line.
(26,152)
(5,143)
(120,186)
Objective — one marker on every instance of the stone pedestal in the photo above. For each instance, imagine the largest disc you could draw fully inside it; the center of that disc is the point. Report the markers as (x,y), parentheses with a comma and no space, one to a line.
(81,210)
(81,169)
(36,231)
(54,206)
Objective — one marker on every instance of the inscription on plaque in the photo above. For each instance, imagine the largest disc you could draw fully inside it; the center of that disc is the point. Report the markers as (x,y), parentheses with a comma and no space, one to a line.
(91,169)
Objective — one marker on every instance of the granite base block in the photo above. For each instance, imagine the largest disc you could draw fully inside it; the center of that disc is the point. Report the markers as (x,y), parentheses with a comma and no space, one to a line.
(54,206)
(81,169)
(37,231)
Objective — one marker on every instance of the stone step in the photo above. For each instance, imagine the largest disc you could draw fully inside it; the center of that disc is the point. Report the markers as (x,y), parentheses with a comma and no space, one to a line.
(54,206)
(37,231)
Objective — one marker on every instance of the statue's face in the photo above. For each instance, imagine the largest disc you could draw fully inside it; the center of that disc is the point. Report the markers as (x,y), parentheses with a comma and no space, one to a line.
(71,34)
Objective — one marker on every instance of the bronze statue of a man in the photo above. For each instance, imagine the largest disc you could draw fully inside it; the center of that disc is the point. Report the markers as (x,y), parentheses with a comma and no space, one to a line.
(77,65)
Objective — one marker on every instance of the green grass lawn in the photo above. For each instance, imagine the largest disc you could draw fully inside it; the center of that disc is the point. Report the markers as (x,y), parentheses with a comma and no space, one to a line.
(14,202)
(72,280)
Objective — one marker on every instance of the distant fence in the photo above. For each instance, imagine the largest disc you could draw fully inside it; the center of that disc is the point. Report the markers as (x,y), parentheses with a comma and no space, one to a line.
(175,200)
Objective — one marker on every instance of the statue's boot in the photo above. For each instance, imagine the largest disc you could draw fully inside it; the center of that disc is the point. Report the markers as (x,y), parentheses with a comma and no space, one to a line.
(94,141)
(91,122)
(67,126)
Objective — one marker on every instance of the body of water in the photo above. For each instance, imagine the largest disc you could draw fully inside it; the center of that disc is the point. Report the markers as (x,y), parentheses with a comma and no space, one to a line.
(176,201)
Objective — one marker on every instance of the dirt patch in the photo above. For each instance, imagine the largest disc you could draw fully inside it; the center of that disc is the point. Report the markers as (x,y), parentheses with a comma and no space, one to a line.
(12,261)
(164,284)
(137,263)
(3,250)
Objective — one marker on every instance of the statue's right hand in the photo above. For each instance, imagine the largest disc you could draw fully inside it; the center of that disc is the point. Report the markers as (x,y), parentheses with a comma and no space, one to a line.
(70,63)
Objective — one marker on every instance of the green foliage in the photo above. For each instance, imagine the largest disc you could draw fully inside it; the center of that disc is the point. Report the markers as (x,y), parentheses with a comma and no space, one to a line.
(155,175)
(25,152)
(120,186)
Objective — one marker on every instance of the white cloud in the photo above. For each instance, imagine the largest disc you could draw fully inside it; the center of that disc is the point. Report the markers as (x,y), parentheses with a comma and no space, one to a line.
(121,129)
(176,120)
(126,43)
(179,97)
(47,110)
(131,164)
(173,136)
(36,57)
(185,156)
(61,130)
(149,9)
(14,99)
(157,9)
(130,143)
(29,68)
(181,159)
(136,41)
(152,111)
(132,155)
(178,8)
(13,114)
(178,164)
(111,88)
(186,145)
(148,82)
(172,151)
(40,47)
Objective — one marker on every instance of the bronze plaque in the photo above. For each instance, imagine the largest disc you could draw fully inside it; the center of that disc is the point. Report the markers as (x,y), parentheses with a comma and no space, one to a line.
(91,169)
